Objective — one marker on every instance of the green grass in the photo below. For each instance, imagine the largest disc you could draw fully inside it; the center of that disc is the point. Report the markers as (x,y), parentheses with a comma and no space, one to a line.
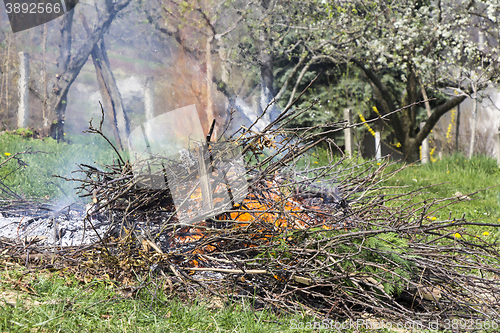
(35,178)
(58,304)
(458,174)
(453,174)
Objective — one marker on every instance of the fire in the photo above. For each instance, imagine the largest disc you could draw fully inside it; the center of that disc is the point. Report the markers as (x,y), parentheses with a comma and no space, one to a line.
(268,209)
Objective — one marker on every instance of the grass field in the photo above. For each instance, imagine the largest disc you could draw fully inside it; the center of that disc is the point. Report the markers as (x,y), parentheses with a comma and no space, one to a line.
(44,302)
(47,302)
(458,174)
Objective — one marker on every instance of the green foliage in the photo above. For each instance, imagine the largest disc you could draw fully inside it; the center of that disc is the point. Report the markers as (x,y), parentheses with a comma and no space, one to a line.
(401,47)
(387,250)
(391,251)
(25,132)
(334,91)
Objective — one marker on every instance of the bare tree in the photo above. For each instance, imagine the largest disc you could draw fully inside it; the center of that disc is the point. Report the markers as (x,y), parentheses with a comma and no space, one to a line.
(69,65)
(109,90)
(217,27)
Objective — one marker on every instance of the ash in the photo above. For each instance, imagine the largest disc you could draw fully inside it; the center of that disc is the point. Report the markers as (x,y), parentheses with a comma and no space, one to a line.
(65,227)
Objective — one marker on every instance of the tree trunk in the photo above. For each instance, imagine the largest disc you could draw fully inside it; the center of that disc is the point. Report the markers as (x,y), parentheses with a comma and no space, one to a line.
(208,59)
(403,124)
(59,93)
(110,94)
(69,66)
(411,150)
(266,62)
(267,92)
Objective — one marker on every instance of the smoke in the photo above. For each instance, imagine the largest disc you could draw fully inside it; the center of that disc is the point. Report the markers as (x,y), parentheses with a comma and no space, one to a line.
(178,136)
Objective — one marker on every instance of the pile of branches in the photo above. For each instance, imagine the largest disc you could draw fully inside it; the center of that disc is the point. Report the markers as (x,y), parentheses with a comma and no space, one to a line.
(331,238)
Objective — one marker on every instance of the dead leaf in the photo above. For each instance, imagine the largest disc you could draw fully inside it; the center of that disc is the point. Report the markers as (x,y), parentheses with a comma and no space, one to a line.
(429,293)
(34,239)
(462,196)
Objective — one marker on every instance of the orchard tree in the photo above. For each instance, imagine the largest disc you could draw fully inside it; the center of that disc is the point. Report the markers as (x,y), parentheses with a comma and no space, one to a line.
(431,46)
(408,51)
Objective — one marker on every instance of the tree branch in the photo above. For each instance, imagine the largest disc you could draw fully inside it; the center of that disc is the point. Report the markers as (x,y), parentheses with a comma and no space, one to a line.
(290,76)
(387,99)
(436,114)
(64,81)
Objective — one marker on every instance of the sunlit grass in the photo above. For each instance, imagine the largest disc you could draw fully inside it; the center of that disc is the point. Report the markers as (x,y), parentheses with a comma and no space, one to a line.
(458,175)
(64,304)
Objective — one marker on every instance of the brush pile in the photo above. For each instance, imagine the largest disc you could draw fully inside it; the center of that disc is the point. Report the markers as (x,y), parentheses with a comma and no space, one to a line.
(328,238)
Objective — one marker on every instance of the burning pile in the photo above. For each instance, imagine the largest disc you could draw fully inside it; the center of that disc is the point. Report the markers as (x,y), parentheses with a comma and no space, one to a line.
(326,238)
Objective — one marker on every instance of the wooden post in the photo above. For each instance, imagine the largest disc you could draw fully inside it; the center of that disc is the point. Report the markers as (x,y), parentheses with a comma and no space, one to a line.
(149,98)
(426,157)
(348,133)
(149,102)
(378,147)
(24,71)
(474,125)
(206,190)
(458,128)
(497,137)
